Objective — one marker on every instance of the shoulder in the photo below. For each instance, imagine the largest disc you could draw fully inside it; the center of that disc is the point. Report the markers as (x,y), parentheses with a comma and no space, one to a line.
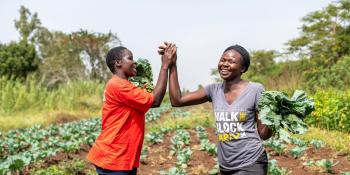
(214,86)
(256,86)
(117,84)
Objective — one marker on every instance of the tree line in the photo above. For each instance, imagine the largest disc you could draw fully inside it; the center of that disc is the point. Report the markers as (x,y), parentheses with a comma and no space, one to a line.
(54,57)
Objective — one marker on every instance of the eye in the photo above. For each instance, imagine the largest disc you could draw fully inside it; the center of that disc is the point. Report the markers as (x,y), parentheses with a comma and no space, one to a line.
(232,62)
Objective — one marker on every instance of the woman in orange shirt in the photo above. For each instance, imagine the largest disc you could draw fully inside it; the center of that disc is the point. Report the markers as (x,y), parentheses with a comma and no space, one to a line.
(117,149)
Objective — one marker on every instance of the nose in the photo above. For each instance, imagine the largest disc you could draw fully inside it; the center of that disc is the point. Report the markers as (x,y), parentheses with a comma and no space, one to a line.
(225,63)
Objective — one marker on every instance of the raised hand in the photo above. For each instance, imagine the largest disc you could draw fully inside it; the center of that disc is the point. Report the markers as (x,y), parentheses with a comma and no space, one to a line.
(162,47)
(168,54)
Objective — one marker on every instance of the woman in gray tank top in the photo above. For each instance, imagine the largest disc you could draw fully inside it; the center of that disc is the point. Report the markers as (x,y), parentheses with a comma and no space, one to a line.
(239,130)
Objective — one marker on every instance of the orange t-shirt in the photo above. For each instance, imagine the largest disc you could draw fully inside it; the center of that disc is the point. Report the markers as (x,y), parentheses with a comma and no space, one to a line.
(118,147)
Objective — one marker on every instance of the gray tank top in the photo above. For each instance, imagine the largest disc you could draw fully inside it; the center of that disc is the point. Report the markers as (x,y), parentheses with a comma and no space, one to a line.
(239,143)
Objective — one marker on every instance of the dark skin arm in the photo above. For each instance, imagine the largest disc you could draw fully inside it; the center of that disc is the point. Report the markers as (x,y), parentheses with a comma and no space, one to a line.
(198,97)
(160,88)
(176,98)
(264,131)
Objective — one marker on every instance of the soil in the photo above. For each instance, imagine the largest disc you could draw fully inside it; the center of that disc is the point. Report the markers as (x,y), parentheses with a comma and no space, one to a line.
(159,158)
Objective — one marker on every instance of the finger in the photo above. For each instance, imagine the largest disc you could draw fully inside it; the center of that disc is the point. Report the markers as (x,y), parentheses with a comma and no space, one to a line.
(174,50)
(160,52)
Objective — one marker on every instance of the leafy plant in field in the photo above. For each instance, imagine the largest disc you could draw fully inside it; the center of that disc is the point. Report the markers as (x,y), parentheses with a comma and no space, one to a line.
(174,171)
(154,137)
(276,145)
(297,151)
(183,157)
(215,170)
(144,152)
(309,163)
(317,143)
(326,165)
(155,113)
(144,76)
(179,113)
(298,142)
(345,173)
(274,169)
(179,140)
(332,110)
(205,144)
(283,114)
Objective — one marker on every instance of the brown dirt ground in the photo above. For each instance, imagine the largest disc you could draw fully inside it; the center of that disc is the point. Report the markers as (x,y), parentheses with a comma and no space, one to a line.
(201,162)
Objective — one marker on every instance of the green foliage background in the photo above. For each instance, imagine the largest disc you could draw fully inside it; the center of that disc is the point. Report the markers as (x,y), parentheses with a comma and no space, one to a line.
(55,71)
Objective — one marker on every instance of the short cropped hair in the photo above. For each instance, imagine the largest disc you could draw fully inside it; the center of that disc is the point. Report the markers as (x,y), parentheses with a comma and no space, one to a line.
(244,53)
(113,55)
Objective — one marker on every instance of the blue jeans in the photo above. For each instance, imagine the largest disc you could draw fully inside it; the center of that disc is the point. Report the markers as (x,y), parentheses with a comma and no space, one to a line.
(102,171)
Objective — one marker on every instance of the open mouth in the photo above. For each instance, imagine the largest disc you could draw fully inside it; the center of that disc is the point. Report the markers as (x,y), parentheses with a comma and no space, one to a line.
(224,71)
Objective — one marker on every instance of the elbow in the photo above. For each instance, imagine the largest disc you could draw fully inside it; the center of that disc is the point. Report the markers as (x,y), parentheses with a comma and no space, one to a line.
(265,137)
(175,103)
(156,104)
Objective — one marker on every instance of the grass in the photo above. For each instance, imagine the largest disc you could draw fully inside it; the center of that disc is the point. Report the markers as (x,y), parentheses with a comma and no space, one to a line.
(199,115)
(23,104)
(336,140)
(68,167)
(24,120)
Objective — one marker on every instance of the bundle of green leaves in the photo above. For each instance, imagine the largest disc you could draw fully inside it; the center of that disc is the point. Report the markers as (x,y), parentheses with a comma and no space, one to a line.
(283,114)
(144,76)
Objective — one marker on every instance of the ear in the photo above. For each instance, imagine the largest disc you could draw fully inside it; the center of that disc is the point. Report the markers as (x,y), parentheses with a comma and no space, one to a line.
(118,63)
(243,69)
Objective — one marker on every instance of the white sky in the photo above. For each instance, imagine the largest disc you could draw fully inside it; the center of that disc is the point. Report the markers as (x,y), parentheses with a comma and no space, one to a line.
(202,29)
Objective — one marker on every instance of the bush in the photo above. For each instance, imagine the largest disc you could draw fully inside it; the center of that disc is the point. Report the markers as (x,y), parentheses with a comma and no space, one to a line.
(332,110)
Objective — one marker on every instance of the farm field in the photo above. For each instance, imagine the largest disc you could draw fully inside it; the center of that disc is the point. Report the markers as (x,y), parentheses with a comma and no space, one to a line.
(55,83)
(178,141)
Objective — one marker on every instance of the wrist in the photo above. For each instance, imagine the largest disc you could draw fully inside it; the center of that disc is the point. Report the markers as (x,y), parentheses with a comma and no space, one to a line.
(164,67)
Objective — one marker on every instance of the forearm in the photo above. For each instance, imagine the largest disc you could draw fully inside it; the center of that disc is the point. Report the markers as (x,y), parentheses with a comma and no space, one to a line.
(160,88)
(174,87)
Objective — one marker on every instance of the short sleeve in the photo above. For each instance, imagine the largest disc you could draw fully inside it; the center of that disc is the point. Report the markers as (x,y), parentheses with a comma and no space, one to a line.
(260,89)
(136,98)
(209,91)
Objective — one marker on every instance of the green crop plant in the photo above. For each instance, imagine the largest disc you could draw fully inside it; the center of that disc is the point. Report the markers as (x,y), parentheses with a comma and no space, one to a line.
(284,114)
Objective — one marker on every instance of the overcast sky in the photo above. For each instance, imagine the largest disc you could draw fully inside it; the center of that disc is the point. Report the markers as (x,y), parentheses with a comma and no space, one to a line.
(202,29)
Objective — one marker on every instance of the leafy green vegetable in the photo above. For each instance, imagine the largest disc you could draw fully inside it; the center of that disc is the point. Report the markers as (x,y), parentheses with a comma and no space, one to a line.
(297,151)
(144,76)
(326,165)
(317,143)
(276,145)
(283,114)
(309,163)
(274,169)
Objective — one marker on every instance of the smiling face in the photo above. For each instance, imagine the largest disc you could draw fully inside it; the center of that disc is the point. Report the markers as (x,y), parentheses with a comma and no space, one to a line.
(230,65)
(126,64)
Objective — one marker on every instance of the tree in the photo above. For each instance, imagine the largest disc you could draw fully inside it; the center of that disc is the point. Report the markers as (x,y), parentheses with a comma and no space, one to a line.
(17,60)
(325,35)
(324,41)
(93,48)
(27,24)
(262,65)
(79,55)
(61,61)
